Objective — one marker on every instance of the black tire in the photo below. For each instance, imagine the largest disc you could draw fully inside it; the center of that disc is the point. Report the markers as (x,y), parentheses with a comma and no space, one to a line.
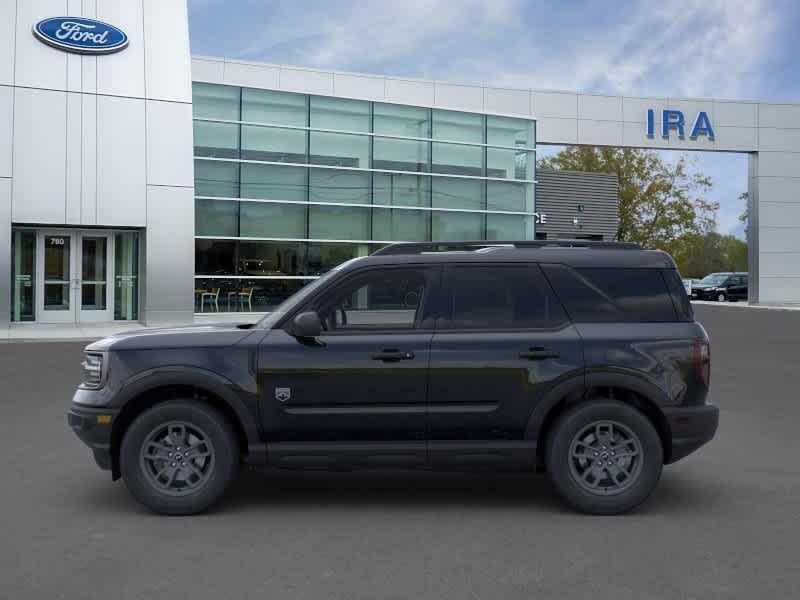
(565,469)
(208,476)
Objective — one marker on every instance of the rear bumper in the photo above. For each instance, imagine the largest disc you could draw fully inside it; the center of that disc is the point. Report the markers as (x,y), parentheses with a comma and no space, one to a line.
(94,433)
(691,426)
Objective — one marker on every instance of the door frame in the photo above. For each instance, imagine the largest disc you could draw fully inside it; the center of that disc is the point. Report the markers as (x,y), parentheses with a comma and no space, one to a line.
(75,313)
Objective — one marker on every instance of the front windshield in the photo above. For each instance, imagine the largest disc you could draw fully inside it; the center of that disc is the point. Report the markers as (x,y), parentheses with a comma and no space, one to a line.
(713,279)
(269,320)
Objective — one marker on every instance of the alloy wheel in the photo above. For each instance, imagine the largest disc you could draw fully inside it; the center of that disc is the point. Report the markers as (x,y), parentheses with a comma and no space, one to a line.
(177,458)
(605,458)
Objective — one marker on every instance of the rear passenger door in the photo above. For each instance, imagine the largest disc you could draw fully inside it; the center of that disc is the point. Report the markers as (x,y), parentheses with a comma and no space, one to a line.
(502,341)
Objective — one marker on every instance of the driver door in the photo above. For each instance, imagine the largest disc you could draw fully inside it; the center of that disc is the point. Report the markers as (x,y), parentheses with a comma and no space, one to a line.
(363,380)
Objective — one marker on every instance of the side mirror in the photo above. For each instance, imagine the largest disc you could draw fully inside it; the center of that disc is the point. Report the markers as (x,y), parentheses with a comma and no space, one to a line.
(306,325)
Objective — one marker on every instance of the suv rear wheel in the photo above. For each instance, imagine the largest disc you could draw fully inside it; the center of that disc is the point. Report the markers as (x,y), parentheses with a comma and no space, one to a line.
(178,457)
(604,457)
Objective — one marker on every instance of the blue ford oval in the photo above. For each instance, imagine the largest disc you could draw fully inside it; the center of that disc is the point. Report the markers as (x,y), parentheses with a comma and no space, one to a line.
(84,36)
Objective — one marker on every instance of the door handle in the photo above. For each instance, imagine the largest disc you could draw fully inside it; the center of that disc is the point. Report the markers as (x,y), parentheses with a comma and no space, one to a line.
(539,354)
(392,356)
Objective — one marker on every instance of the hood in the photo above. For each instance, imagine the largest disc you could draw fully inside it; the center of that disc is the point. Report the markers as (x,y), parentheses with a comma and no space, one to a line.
(206,335)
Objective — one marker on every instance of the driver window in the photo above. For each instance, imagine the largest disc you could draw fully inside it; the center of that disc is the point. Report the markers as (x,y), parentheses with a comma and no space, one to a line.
(378,299)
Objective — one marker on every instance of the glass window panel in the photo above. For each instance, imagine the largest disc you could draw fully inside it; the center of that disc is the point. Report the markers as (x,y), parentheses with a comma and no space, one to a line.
(338,113)
(57,272)
(219,140)
(266,106)
(271,258)
(93,273)
(322,257)
(506,131)
(210,294)
(212,178)
(339,150)
(454,226)
(457,126)
(339,223)
(457,193)
(268,293)
(216,217)
(458,160)
(509,227)
(399,155)
(260,219)
(501,195)
(126,276)
(273,144)
(214,257)
(400,225)
(23,264)
(273,182)
(509,164)
(401,190)
(334,185)
(409,121)
(211,101)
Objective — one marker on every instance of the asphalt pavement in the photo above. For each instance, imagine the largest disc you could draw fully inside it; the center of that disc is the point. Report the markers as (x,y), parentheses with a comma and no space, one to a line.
(724,523)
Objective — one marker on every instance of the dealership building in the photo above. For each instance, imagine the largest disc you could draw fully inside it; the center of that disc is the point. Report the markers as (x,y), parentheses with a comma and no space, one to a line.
(138,183)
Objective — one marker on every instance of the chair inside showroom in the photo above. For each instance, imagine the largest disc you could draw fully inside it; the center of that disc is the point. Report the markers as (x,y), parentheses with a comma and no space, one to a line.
(246,298)
(212,298)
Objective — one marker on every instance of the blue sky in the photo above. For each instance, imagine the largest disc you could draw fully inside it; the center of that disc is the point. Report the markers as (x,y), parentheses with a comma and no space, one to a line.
(708,48)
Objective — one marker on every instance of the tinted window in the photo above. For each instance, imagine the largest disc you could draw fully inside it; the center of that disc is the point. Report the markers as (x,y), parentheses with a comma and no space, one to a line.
(377,299)
(604,295)
(498,297)
(680,299)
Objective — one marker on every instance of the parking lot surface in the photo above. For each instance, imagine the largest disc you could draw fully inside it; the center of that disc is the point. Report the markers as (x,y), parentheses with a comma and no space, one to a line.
(724,523)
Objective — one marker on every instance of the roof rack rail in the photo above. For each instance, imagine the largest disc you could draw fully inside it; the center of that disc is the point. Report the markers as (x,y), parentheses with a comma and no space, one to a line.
(420,247)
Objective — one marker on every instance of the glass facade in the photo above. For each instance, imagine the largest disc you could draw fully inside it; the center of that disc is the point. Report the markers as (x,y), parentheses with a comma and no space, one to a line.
(290,185)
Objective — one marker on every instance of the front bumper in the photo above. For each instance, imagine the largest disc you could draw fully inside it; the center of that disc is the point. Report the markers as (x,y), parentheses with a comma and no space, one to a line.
(93,427)
(691,426)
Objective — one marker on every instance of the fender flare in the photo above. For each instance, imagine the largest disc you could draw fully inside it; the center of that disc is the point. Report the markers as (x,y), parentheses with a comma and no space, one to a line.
(214,383)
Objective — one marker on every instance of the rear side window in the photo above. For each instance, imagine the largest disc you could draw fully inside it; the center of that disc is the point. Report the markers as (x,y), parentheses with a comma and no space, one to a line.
(498,297)
(680,299)
(608,295)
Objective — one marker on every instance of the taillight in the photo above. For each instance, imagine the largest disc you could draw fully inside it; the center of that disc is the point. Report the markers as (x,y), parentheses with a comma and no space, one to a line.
(702,360)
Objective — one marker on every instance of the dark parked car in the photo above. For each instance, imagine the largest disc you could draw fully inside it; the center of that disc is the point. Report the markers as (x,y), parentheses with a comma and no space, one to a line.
(721,287)
(579,358)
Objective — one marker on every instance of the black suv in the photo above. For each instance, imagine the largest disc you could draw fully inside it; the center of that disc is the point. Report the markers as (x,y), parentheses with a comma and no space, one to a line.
(578,358)
(721,287)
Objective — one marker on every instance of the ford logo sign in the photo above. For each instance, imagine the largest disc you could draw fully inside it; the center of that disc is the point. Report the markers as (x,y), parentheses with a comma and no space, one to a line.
(84,36)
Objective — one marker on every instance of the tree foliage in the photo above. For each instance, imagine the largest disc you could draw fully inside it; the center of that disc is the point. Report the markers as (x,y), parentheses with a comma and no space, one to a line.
(659,202)
(697,255)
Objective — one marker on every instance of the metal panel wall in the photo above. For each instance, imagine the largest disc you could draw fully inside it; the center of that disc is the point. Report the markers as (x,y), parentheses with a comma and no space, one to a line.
(558,194)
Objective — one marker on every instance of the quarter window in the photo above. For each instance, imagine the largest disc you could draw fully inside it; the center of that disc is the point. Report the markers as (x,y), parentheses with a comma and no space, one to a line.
(498,297)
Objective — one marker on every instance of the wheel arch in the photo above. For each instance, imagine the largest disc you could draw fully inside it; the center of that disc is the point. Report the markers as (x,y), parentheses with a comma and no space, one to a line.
(169,383)
(626,388)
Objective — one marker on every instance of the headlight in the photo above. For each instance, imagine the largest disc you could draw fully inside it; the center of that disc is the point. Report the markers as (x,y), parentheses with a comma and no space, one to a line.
(93,370)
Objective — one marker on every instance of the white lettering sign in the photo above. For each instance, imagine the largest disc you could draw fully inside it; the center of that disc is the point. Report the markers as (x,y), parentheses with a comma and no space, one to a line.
(79,32)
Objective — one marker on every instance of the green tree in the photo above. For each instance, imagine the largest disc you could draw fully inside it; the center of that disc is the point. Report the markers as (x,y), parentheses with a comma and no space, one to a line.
(697,255)
(659,202)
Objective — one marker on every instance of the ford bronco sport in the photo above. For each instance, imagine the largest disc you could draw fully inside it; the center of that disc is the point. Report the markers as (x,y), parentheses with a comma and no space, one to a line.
(579,358)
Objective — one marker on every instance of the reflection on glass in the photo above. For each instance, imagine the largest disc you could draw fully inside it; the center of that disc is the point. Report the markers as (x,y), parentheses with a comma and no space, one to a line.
(453,226)
(339,150)
(338,223)
(56,272)
(213,178)
(214,257)
(396,189)
(457,126)
(457,160)
(273,182)
(126,276)
(216,217)
(400,225)
(93,273)
(509,164)
(217,140)
(215,101)
(333,185)
(322,257)
(506,131)
(271,258)
(273,144)
(400,155)
(260,219)
(23,266)
(510,196)
(266,106)
(338,113)
(509,227)
(407,121)
(457,193)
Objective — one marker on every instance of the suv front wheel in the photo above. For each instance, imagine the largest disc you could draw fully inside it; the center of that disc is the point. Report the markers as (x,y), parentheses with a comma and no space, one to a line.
(604,457)
(178,457)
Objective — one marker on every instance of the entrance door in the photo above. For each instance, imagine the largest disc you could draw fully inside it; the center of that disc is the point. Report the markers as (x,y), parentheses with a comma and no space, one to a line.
(73,280)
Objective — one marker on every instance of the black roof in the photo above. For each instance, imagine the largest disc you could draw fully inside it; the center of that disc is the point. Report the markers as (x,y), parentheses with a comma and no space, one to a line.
(575,253)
